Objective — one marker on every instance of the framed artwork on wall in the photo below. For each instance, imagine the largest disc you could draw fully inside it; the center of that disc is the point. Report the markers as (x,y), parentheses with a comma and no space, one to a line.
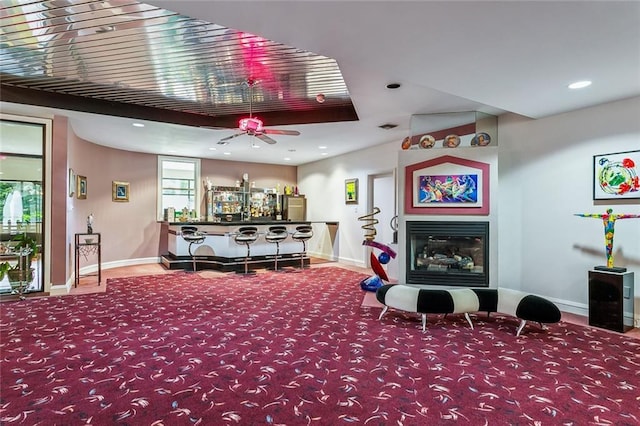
(615,176)
(447,185)
(81,187)
(72,182)
(120,191)
(351,191)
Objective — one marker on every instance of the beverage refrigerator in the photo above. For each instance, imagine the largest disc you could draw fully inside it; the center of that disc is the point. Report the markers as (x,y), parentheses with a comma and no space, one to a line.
(294,207)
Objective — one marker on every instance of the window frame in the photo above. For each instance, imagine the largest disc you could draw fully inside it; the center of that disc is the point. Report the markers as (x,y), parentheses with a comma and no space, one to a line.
(160,189)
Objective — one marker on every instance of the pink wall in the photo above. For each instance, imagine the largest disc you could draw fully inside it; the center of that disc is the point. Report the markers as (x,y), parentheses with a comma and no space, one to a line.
(225,173)
(129,230)
(59,267)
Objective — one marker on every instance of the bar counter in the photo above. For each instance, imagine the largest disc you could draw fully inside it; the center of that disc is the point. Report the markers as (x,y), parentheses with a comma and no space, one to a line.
(219,250)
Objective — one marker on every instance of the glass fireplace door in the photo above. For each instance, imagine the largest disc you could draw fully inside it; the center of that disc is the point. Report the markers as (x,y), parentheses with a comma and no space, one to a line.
(448,253)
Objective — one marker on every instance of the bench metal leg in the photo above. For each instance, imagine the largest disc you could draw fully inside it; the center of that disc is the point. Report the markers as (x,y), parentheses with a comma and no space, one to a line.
(384,311)
(468,318)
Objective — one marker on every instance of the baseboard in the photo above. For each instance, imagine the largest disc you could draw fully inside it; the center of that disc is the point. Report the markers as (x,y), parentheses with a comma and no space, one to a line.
(352,262)
(321,255)
(88,269)
(570,307)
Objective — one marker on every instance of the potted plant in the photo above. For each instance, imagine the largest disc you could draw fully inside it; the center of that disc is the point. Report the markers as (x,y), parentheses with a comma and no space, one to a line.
(26,248)
(4,267)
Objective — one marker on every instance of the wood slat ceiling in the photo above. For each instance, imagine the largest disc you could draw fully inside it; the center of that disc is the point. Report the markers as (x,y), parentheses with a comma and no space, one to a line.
(94,56)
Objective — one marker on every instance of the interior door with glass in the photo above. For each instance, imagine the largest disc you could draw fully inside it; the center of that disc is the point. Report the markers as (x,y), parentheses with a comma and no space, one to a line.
(21,207)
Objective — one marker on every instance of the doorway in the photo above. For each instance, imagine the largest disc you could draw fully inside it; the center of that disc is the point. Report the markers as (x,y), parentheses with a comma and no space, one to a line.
(22,211)
(383,196)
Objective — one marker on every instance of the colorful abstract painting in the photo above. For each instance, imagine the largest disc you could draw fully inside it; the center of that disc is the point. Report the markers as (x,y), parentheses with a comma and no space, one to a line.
(455,189)
(616,176)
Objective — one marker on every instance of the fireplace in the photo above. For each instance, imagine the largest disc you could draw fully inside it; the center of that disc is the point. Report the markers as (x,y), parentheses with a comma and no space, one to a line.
(448,253)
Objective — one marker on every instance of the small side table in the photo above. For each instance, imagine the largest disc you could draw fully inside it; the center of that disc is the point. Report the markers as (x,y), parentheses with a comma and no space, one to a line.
(85,245)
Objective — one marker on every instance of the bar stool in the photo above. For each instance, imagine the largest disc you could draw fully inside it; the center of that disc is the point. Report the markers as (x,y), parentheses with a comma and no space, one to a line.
(246,235)
(302,234)
(276,234)
(191,235)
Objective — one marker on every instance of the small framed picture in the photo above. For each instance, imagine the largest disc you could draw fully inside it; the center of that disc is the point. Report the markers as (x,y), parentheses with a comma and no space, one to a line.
(81,187)
(120,191)
(351,191)
(72,183)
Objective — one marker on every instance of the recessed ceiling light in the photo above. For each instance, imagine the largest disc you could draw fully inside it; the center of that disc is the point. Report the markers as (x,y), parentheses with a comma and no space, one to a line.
(213,148)
(393,85)
(580,84)
(138,125)
(287,159)
(388,126)
(255,146)
(322,147)
(227,153)
(172,151)
(324,153)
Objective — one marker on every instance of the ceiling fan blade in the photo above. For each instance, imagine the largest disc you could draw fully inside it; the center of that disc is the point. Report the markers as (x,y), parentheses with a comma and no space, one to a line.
(265,138)
(223,141)
(281,132)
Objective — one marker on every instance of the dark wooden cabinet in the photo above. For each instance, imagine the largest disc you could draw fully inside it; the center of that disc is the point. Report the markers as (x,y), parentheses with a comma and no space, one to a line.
(611,297)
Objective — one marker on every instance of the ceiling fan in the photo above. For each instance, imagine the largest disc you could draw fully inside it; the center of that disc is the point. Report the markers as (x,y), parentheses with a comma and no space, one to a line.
(253,126)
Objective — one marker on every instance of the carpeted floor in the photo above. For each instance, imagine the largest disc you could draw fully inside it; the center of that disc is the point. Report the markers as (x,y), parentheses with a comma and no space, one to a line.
(369,300)
(294,349)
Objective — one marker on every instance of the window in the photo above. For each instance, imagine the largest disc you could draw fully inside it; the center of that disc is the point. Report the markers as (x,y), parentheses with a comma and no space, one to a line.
(178,185)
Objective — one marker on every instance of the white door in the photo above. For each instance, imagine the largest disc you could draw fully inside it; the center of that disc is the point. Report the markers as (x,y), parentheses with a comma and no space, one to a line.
(384,197)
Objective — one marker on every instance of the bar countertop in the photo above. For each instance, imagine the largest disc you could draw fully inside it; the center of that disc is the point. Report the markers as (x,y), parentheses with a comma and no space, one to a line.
(241,223)
(252,222)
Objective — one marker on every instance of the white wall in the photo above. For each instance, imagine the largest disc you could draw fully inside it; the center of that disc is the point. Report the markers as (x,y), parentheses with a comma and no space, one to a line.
(546,175)
(544,178)
(323,183)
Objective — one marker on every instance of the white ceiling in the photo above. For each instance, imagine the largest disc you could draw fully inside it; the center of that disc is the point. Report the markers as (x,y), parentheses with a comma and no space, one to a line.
(449,56)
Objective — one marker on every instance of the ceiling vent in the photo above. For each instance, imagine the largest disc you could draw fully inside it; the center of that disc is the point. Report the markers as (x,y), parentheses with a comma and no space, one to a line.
(388,126)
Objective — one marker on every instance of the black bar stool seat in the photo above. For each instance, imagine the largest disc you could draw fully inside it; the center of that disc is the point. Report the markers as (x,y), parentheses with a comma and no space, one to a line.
(276,234)
(246,235)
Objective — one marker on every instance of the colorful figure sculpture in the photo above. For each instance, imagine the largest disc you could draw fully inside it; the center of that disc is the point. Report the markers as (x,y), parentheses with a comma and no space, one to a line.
(609,220)
(374,282)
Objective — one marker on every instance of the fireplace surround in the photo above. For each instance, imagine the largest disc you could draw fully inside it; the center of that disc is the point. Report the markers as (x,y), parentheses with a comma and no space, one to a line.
(446,253)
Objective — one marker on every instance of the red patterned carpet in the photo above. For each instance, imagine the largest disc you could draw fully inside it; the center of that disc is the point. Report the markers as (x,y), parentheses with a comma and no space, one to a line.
(297,349)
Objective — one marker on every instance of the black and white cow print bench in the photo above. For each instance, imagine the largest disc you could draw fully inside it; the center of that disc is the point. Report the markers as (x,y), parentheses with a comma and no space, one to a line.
(526,307)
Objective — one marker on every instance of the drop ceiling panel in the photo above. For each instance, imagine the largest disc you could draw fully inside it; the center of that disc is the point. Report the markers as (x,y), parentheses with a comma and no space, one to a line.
(144,56)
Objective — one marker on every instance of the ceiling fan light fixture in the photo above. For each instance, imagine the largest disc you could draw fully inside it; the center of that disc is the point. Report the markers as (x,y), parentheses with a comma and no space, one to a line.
(251,124)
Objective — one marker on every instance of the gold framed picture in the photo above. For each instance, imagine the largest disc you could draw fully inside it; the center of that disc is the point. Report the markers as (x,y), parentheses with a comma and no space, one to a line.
(81,187)
(120,191)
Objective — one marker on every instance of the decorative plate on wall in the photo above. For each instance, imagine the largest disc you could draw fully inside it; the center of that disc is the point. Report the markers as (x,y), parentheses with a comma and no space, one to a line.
(427,141)
(481,139)
(451,141)
(406,143)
